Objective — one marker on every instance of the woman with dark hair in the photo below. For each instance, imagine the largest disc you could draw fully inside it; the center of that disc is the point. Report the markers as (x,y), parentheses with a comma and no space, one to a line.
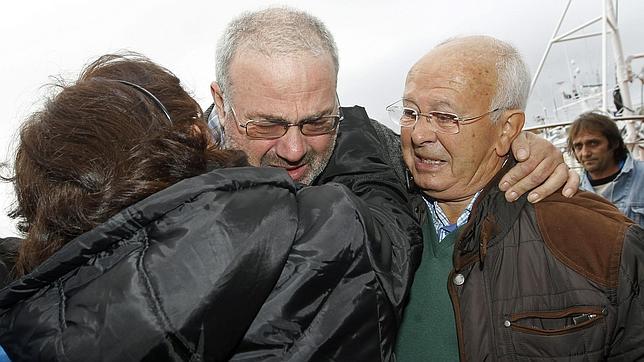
(144,240)
(103,144)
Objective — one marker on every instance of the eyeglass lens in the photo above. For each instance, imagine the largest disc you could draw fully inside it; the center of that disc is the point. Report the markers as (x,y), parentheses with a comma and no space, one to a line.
(278,129)
(407,117)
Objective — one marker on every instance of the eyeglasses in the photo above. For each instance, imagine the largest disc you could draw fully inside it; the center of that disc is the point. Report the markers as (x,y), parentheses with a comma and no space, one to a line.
(442,122)
(275,128)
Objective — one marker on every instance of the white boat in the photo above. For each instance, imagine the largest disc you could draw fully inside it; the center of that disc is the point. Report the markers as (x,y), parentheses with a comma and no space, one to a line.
(613,99)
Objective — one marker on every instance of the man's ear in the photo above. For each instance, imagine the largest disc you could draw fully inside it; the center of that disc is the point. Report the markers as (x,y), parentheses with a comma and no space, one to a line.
(512,125)
(218,98)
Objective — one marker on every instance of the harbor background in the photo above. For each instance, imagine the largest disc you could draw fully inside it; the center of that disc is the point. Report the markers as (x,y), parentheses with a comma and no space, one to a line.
(378,41)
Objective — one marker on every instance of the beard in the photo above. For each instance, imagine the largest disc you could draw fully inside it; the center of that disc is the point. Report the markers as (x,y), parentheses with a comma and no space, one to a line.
(316,162)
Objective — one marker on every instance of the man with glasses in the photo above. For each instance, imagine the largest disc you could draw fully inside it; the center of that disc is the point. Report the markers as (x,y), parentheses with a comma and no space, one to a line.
(275,98)
(277,68)
(505,281)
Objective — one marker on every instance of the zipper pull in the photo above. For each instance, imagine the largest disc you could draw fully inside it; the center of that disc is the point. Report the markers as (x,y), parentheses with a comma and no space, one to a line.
(583,318)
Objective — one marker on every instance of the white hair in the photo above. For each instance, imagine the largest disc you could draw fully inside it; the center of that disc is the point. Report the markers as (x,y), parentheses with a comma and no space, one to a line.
(272,31)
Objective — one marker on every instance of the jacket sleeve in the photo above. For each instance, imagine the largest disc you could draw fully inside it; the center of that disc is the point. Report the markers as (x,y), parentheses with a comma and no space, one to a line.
(178,276)
(326,291)
(360,162)
(628,337)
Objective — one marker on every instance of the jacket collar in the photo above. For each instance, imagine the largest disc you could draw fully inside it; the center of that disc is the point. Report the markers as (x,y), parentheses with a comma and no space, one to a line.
(130,221)
(626,169)
(628,165)
(491,219)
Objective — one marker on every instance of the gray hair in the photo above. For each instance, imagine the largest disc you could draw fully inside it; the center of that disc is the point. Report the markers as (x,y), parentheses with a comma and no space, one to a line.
(272,31)
(513,76)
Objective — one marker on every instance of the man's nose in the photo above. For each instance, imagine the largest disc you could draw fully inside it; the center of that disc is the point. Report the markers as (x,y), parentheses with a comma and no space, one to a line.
(423,132)
(292,146)
(585,151)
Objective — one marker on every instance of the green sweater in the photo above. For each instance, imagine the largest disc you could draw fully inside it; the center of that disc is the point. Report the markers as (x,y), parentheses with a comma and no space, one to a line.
(428,330)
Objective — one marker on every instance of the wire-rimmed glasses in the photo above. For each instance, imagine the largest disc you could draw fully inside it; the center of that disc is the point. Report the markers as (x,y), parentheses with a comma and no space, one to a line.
(443,122)
(268,129)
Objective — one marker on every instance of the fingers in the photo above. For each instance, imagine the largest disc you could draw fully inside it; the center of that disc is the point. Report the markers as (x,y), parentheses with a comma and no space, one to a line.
(551,185)
(544,159)
(526,176)
(572,185)
(531,172)
(521,146)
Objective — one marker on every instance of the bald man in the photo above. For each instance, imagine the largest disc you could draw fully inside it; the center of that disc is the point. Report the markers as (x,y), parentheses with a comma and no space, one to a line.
(505,281)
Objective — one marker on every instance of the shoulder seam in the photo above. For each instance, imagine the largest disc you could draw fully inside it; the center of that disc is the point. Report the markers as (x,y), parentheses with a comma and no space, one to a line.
(552,242)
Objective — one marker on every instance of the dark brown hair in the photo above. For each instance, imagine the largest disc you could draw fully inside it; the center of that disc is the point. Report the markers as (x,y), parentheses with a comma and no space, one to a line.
(101,145)
(599,123)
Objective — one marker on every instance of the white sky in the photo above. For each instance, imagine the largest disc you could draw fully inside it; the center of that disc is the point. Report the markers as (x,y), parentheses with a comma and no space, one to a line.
(378,41)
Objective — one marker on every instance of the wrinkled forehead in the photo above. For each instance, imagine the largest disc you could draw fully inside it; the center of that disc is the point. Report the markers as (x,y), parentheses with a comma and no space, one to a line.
(464,62)
(288,87)
(290,73)
(588,134)
(453,73)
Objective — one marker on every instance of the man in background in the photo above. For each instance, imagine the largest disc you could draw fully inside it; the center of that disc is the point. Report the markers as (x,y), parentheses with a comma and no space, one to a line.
(609,169)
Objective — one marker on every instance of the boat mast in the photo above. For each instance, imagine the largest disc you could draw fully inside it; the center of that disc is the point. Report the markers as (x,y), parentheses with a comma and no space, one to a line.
(623,73)
(621,70)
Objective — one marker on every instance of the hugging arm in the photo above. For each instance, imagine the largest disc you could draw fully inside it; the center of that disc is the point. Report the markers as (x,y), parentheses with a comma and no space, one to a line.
(540,170)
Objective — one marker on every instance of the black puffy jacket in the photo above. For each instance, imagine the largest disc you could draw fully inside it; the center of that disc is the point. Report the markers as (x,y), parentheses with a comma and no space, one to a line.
(233,264)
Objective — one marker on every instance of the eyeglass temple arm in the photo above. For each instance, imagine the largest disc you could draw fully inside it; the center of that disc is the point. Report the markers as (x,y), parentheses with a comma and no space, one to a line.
(463,120)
